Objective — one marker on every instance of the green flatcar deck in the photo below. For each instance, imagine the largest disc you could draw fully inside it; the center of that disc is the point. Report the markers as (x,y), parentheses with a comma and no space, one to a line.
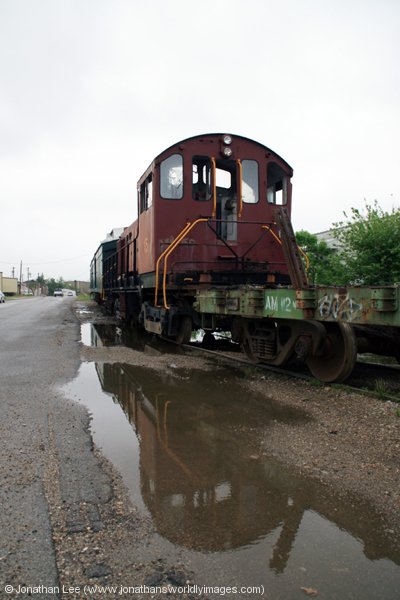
(357,305)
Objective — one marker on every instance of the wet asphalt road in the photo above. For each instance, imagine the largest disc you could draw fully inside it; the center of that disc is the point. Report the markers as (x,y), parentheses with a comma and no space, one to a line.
(38,353)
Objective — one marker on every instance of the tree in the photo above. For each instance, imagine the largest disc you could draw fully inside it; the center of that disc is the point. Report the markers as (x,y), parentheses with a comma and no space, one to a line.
(52,284)
(370,245)
(325,267)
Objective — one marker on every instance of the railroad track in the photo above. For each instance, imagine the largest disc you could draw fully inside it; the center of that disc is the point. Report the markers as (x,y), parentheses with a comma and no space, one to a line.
(379,380)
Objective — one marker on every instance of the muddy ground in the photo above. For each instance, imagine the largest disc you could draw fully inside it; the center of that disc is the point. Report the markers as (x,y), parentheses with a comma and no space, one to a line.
(347,441)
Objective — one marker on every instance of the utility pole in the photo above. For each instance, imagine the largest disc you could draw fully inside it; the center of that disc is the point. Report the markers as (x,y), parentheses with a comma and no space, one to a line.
(13,272)
(20,277)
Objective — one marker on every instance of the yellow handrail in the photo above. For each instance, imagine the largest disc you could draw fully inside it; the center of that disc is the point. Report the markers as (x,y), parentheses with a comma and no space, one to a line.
(164,442)
(214,180)
(305,258)
(182,233)
(171,248)
(268,228)
(239,164)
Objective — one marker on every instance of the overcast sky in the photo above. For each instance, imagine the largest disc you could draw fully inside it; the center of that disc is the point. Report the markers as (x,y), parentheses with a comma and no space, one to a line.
(92,90)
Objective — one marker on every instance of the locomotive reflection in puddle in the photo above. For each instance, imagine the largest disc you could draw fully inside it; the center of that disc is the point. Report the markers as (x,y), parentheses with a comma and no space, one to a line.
(110,334)
(202,478)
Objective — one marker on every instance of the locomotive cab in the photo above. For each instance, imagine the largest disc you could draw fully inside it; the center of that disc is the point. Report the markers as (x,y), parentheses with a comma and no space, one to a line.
(227,188)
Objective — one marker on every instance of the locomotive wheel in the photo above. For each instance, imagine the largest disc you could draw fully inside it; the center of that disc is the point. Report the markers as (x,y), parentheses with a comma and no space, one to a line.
(116,310)
(337,361)
(208,340)
(185,331)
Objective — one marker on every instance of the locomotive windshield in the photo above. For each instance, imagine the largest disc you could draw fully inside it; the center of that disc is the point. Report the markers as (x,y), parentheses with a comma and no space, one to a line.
(250,181)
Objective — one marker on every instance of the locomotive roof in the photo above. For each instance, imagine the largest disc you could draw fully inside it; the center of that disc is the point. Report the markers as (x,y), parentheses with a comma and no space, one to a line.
(233,135)
(205,135)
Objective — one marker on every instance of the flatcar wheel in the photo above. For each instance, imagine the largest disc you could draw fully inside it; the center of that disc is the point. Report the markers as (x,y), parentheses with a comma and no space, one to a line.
(246,329)
(337,361)
(241,334)
(246,348)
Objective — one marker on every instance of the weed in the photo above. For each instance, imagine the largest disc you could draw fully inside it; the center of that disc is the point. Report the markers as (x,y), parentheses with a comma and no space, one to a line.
(381,388)
(316,383)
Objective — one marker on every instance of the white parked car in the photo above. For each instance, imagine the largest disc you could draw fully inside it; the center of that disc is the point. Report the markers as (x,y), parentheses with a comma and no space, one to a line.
(2,297)
(58,292)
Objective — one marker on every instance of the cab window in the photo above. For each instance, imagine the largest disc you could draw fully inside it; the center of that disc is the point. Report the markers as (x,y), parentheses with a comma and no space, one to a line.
(146,194)
(201,178)
(171,177)
(226,199)
(250,181)
(277,184)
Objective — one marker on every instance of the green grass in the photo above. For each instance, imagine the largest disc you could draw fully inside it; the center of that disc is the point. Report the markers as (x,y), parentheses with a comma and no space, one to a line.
(18,297)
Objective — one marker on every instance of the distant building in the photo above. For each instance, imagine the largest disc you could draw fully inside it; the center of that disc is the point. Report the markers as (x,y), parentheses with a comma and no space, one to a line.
(8,285)
(328,237)
(80,287)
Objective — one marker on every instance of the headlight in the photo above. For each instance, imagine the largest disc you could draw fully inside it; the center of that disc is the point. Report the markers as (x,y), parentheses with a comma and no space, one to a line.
(227,140)
(227,152)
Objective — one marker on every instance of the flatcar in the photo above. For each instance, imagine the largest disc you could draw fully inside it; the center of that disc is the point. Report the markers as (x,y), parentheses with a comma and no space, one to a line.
(213,248)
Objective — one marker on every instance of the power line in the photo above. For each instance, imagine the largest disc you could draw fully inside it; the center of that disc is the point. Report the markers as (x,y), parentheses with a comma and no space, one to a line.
(49,262)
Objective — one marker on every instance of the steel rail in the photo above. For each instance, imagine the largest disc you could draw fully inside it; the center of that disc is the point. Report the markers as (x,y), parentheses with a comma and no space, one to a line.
(298,375)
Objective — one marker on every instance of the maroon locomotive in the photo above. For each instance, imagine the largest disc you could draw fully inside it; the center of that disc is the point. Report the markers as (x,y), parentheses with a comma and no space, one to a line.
(206,217)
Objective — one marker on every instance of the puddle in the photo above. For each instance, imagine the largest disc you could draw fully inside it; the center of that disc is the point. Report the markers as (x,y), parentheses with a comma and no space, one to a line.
(101,334)
(106,334)
(86,337)
(188,452)
(84,311)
